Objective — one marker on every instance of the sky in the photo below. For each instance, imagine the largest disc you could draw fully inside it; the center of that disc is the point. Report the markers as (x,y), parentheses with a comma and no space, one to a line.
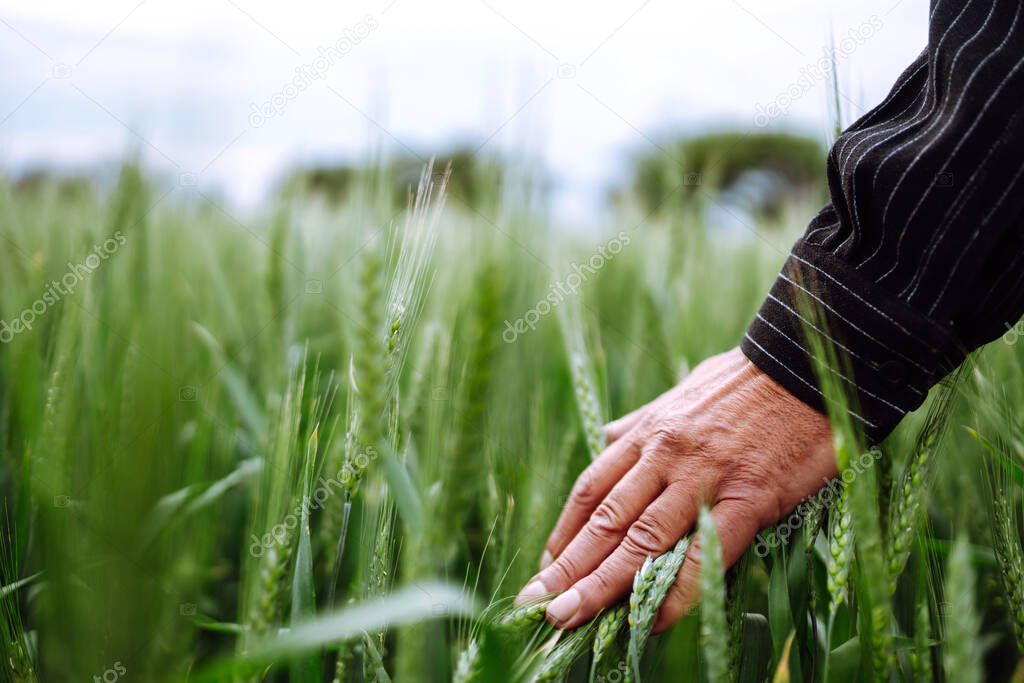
(232,94)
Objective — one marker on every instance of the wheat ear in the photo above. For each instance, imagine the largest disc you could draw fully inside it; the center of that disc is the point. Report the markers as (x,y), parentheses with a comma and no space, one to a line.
(1010,557)
(525,616)
(840,551)
(467,669)
(650,585)
(369,363)
(559,660)
(610,626)
(905,510)
(588,406)
(714,629)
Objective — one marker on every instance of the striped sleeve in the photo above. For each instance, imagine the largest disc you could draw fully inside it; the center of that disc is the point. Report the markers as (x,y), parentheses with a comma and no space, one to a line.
(919,257)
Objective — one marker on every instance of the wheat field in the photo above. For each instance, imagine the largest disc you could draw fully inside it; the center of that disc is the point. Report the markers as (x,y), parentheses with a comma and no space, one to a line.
(319,443)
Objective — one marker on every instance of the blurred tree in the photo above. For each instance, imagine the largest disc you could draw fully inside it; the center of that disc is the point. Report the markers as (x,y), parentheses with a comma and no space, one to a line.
(64,187)
(475,180)
(759,171)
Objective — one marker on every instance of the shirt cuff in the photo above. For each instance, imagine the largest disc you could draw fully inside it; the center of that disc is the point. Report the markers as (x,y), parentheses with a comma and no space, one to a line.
(890,353)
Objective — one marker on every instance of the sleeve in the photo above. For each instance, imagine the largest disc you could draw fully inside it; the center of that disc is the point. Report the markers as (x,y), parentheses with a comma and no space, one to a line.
(919,257)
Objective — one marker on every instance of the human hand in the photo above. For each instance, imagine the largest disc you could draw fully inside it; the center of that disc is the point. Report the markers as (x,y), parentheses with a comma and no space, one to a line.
(728,437)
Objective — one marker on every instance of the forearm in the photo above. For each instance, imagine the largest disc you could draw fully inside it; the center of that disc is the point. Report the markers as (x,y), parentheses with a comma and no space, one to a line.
(915,262)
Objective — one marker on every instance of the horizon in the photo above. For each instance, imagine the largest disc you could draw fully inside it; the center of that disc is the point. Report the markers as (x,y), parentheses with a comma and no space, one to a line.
(186,84)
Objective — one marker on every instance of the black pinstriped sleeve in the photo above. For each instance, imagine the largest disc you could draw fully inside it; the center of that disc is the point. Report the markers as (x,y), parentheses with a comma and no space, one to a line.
(919,258)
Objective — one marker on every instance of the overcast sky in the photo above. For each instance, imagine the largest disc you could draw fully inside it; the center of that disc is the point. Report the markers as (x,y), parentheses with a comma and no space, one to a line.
(212,87)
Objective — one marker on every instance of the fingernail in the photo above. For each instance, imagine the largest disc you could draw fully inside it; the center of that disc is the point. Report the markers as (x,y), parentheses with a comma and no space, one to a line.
(545,560)
(533,591)
(564,607)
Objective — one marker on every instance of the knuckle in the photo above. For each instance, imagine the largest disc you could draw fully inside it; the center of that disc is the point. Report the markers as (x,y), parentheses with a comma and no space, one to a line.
(753,494)
(585,492)
(670,439)
(648,535)
(611,580)
(609,518)
(601,581)
(560,574)
(649,422)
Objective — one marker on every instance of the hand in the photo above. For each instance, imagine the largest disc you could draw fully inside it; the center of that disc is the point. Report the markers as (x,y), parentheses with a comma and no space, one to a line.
(728,437)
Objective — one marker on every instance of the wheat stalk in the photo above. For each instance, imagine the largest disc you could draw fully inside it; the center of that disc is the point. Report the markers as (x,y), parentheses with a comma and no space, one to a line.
(714,630)
(960,653)
(921,657)
(872,584)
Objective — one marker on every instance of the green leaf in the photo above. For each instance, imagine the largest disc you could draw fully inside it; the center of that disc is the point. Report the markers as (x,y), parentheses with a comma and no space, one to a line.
(756,657)
(497,654)
(409,605)
(207,624)
(241,396)
(1012,468)
(178,505)
(844,662)
(407,497)
(799,600)
(780,618)
(248,408)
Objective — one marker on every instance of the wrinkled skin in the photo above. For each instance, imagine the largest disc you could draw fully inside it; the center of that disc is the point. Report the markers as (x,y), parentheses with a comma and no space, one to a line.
(728,437)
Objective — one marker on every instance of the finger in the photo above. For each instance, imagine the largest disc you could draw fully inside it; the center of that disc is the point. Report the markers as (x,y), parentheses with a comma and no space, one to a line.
(616,429)
(661,525)
(592,486)
(600,534)
(737,523)
(605,529)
